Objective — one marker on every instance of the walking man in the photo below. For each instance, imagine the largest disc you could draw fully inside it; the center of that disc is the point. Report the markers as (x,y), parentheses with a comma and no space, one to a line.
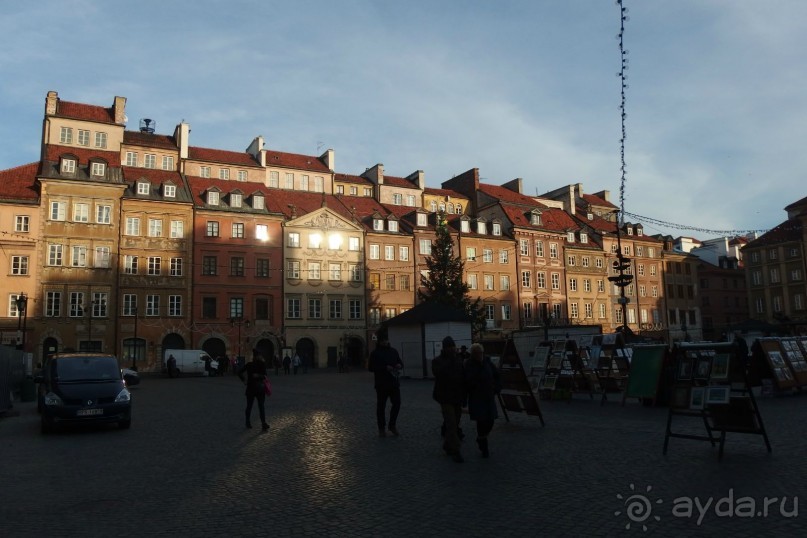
(386,364)
(449,392)
(253,374)
(286,364)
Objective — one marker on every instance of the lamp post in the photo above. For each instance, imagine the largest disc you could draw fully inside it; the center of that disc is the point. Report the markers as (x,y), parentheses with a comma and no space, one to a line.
(22,318)
(238,321)
(136,342)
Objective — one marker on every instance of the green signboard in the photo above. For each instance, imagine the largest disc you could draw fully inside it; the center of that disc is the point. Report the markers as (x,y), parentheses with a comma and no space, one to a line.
(645,371)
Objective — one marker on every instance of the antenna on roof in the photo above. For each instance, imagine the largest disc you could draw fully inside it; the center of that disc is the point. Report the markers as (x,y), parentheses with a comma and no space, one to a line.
(320,145)
(147,126)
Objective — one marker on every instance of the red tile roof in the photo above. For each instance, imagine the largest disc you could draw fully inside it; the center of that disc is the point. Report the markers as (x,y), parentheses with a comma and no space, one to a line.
(19,183)
(240,158)
(597,201)
(54,152)
(506,195)
(552,219)
(295,160)
(153,176)
(348,178)
(789,230)
(136,138)
(399,182)
(80,111)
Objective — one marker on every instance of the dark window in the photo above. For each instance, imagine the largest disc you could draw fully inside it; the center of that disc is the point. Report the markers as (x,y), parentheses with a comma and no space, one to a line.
(680,291)
(262,268)
(209,264)
(237,266)
(704,283)
(690,291)
(262,308)
(670,291)
(673,317)
(209,307)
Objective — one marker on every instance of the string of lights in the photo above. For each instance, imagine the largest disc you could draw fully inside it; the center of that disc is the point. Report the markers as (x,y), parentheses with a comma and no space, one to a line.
(623,18)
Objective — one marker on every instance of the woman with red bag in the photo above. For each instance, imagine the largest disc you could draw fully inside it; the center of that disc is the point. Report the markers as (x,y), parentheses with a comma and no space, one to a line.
(253,374)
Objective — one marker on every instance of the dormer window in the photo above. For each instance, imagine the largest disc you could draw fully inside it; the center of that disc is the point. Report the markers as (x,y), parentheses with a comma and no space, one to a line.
(236,199)
(590,216)
(583,237)
(143,187)
(465,226)
(450,208)
(392,225)
(97,169)
(170,191)
(535,218)
(421,219)
(257,201)
(212,197)
(630,230)
(570,237)
(68,166)
(459,209)
(433,206)
(442,207)
(378,225)
(639,231)
(497,228)
(481,227)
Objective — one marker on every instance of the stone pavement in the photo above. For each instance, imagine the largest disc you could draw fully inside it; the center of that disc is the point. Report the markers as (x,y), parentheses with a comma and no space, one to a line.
(188,467)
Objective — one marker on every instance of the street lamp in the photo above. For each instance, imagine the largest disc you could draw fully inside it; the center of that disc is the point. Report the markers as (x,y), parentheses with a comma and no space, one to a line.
(136,342)
(22,317)
(238,321)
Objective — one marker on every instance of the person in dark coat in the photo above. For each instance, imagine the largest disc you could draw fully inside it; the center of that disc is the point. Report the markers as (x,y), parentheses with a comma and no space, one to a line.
(253,375)
(482,384)
(449,392)
(386,365)
(286,364)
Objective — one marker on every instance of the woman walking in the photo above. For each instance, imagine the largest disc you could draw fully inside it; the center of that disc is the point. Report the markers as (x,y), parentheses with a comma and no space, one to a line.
(253,375)
(482,385)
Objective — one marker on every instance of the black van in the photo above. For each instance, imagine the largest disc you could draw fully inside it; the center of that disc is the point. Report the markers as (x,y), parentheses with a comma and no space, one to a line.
(83,388)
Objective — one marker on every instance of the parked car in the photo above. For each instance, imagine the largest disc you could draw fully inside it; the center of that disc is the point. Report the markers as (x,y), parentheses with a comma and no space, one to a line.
(79,388)
(131,377)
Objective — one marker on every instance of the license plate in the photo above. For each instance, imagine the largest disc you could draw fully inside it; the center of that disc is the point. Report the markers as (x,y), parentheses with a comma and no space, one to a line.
(87,412)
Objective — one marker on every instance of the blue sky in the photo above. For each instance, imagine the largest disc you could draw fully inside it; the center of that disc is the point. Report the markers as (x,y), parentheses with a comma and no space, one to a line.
(717,112)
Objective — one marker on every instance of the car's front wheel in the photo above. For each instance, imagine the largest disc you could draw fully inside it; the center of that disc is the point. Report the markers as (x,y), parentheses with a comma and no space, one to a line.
(125,424)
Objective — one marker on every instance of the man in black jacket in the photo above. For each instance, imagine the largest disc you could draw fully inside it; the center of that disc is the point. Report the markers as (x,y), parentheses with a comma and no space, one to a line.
(386,364)
(449,392)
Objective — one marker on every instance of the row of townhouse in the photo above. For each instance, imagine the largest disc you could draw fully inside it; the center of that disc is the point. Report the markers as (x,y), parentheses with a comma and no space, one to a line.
(132,242)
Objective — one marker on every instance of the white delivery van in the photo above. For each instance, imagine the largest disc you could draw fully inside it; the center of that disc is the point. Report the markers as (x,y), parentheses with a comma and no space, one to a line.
(188,361)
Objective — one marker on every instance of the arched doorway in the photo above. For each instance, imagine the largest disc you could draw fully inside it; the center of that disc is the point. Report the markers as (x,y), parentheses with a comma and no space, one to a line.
(267,349)
(354,351)
(306,349)
(173,341)
(215,347)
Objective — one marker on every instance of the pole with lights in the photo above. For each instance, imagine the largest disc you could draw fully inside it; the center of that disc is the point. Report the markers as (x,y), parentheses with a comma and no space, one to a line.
(22,318)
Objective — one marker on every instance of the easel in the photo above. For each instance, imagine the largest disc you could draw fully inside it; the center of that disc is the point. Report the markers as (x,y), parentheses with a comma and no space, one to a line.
(709,384)
(612,363)
(516,394)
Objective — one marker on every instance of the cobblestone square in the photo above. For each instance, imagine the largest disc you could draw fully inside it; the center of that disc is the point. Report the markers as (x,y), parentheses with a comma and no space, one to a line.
(189,467)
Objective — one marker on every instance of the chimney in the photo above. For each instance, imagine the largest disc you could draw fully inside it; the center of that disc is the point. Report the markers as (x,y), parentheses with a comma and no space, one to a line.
(466,183)
(328,159)
(375,174)
(181,135)
(514,185)
(418,177)
(119,110)
(605,195)
(293,211)
(50,103)
(256,150)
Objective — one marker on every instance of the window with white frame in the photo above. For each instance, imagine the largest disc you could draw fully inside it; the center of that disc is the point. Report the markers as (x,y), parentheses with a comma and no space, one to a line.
(410,200)
(585,261)
(274,179)
(589,311)
(488,282)
(497,228)
(353,243)
(242,175)
(103,257)
(426,247)
(66,135)
(177,229)
(586,285)
(598,263)
(572,284)
(389,252)
(600,286)
(22,223)
(167,162)
(224,173)
(465,226)
(335,271)
(238,230)
(204,171)
(651,252)
(213,197)
(526,279)
(654,291)
(639,250)
(528,311)
(653,270)
(75,308)
(55,255)
(78,256)
(335,309)
(504,282)
(257,201)
(155,228)
(571,260)
(319,184)
(143,187)
(403,253)
(103,214)
(553,250)
(539,249)
(154,265)
(473,282)
(131,158)
(152,305)
(481,227)
(392,225)
(130,264)
(81,212)
(68,166)
(626,250)
(293,269)
(570,237)
(314,271)
(555,278)
(314,308)
(175,305)
(58,210)
(602,310)
(504,256)
(100,139)
(397,199)
(375,251)
(289,180)
(433,206)
(540,280)
(53,304)
(421,219)
(470,254)
(524,247)
(378,224)
(354,306)
(262,232)
(19,265)
(355,272)
(487,255)
(132,226)
(354,191)
(83,137)
(573,313)
(583,237)
(293,240)
(506,312)
(150,160)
